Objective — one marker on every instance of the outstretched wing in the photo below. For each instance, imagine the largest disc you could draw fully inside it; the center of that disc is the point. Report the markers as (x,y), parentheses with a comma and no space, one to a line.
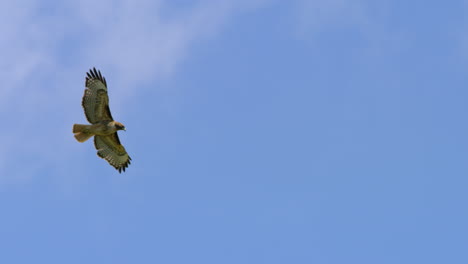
(110,149)
(95,99)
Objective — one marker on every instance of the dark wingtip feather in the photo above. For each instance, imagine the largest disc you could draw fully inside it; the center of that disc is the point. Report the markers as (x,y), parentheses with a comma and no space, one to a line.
(94,74)
(123,166)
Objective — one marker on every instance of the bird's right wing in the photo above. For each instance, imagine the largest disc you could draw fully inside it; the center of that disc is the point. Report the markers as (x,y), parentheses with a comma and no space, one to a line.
(95,99)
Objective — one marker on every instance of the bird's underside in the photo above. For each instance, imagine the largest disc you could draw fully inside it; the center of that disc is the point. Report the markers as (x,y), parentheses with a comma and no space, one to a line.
(103,127)
(84,132)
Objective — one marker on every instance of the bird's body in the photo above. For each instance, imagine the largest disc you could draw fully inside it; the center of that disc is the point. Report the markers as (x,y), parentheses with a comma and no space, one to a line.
(103,127)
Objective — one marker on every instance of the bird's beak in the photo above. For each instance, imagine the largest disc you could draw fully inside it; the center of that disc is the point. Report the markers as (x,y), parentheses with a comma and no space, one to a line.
(124,129)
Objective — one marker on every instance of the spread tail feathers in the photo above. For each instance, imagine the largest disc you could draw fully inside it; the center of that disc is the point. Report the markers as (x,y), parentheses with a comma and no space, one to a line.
(82,132)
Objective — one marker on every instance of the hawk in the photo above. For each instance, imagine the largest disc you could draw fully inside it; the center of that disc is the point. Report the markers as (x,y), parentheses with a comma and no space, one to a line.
(103,127)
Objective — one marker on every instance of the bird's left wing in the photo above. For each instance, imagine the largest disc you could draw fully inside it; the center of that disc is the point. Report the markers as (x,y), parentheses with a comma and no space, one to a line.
(110,149)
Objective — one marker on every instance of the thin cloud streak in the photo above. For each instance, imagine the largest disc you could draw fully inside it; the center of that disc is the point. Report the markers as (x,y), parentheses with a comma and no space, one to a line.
(45,56)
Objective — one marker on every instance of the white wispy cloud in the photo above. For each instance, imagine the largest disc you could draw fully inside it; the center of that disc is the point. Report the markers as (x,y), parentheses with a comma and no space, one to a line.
(46,50)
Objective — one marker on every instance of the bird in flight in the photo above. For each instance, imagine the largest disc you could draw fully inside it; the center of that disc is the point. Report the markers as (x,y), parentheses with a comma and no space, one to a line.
(103,127)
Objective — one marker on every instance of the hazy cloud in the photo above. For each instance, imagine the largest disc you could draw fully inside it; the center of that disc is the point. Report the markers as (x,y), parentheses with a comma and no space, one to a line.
(46,49)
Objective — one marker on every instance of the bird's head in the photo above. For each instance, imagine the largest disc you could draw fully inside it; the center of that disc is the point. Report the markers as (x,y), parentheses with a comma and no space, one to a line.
(119,126)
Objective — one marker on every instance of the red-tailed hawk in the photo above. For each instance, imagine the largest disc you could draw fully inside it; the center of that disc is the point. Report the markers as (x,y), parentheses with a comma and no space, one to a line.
(103,127)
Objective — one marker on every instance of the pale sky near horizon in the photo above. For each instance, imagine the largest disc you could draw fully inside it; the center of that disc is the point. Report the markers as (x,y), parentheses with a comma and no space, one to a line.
(261,131)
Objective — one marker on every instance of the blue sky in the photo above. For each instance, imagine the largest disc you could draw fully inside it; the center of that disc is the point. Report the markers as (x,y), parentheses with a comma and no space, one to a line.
(260,131)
